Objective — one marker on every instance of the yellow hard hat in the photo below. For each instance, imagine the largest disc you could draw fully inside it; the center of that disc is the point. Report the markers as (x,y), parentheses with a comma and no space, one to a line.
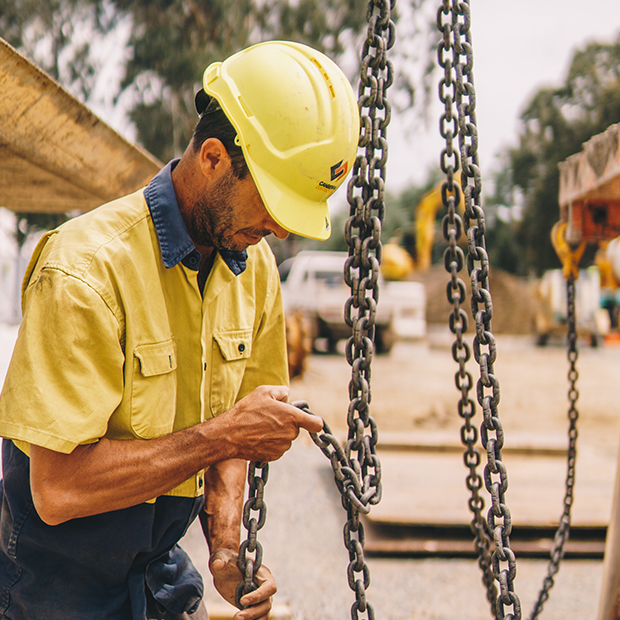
(297,122)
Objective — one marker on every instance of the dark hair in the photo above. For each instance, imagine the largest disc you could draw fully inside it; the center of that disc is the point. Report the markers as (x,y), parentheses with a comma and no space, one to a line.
(214,123)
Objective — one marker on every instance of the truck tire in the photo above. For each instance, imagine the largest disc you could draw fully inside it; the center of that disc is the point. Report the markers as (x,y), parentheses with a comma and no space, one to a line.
(384,339)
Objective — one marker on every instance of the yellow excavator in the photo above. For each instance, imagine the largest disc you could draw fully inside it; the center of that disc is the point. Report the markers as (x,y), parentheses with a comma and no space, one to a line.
(398,263)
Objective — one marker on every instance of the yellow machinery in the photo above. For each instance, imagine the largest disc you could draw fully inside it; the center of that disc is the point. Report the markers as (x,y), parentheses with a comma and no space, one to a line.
(590,214)
(397,263)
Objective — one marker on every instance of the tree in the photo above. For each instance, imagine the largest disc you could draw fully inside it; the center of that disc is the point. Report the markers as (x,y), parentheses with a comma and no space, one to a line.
(555,124)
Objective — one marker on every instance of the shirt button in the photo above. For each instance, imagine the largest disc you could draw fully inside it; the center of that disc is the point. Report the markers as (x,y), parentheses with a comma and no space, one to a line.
(200,482)
(241,348)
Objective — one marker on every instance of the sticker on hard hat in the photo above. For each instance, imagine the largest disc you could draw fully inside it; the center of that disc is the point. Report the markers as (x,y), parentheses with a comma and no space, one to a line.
(326,187)
(339,170)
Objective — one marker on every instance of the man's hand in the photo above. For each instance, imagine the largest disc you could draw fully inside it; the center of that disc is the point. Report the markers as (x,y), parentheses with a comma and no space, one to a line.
(226,578)
(262,426)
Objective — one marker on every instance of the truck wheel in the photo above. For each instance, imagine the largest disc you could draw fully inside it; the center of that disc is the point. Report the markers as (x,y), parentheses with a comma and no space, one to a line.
(331,344)
(384,340)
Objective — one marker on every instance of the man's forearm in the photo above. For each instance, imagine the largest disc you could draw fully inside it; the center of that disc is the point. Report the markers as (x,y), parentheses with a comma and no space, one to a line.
(111,475)
(221,516)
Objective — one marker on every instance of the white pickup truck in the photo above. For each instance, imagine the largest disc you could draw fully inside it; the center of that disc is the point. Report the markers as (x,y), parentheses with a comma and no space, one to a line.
(313,284)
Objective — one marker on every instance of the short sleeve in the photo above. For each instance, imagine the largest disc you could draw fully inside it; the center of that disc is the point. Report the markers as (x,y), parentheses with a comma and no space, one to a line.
(65,378)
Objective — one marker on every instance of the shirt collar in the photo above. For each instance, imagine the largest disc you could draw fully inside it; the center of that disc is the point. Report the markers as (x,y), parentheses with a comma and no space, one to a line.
(174,240)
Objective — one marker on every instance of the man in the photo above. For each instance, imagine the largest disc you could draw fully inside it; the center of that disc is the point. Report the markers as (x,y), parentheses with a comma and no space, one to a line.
(150,364)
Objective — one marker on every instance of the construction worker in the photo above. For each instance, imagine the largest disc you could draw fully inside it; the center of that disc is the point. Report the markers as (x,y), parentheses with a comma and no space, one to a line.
(151,361)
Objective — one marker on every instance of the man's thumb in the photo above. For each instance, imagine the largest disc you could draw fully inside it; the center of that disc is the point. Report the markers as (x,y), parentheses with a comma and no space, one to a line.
(224,563)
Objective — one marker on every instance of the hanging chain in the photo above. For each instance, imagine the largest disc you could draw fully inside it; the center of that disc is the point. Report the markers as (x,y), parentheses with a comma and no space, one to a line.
(357,470)
(457,89)
(249,565)
(562,533)
(454,261)
(358,460)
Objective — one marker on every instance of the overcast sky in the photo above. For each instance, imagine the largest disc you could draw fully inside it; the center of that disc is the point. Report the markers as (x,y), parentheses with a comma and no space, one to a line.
(519,46)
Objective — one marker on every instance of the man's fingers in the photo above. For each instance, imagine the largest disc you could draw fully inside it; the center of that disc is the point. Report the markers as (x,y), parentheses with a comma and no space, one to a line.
(260,596)
(223,565)
(280,392)
(256,612)
(312,423)
(266,589)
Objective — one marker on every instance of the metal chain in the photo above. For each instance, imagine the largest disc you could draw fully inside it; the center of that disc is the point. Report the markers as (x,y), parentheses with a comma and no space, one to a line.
(454,261)
(249,565)
(562,533)
(358,461)
(457,89)
(359,489)
(356,467)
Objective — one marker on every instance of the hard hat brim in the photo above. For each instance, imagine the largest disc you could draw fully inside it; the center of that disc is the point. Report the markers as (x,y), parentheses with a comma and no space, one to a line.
(297,214)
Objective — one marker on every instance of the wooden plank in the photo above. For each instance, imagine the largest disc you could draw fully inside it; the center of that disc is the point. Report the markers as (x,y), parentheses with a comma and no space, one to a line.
(28,187)
(427,487)
(54,147)
(455,543)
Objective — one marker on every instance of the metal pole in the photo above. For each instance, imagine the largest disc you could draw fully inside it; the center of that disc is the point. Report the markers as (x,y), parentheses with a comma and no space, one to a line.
(609,608)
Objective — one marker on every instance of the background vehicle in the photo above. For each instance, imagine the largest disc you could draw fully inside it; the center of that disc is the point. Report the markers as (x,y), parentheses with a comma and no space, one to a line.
(313,285)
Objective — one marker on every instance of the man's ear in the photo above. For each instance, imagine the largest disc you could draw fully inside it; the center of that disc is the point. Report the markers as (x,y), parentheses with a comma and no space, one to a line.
(214,158)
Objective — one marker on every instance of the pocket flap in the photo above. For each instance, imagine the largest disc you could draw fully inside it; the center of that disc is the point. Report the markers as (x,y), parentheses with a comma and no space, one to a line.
(156,359)
(234,345)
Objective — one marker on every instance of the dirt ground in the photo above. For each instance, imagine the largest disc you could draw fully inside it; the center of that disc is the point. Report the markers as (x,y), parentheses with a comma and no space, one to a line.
(413,389)
(413,392)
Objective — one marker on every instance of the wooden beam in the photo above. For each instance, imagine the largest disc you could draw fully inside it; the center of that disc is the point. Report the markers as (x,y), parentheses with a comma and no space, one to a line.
(55,154)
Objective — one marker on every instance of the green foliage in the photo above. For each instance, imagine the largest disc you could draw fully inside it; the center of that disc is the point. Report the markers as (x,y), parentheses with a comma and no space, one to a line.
(556,122)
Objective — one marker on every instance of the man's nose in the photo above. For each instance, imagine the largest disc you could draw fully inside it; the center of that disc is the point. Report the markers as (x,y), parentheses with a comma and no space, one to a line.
(277,230)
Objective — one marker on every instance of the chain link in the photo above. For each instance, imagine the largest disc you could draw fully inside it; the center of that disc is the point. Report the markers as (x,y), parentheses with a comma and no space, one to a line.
(562,533)
(457,93)
(249,565)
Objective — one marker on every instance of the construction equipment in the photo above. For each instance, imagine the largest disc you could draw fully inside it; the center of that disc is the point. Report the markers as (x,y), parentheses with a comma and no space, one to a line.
(398,263)
(607,260)
(590,214)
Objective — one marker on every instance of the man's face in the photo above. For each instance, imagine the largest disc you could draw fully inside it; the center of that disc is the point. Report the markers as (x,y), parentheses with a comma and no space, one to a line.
(232,216)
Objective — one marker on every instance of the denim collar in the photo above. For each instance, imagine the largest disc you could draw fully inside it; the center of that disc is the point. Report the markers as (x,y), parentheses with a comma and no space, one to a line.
(174,241)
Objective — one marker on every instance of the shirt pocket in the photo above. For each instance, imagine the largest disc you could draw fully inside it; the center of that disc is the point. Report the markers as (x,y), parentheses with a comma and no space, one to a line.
(154,389)
(231,350)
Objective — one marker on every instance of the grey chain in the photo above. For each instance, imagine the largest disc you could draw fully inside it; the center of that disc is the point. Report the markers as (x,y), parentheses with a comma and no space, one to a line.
(457,88)
(562,533)
(357,470)
(249,565)
(454,260)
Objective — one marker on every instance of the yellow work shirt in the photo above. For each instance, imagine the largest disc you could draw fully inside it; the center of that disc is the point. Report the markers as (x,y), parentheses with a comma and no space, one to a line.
(114,344)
